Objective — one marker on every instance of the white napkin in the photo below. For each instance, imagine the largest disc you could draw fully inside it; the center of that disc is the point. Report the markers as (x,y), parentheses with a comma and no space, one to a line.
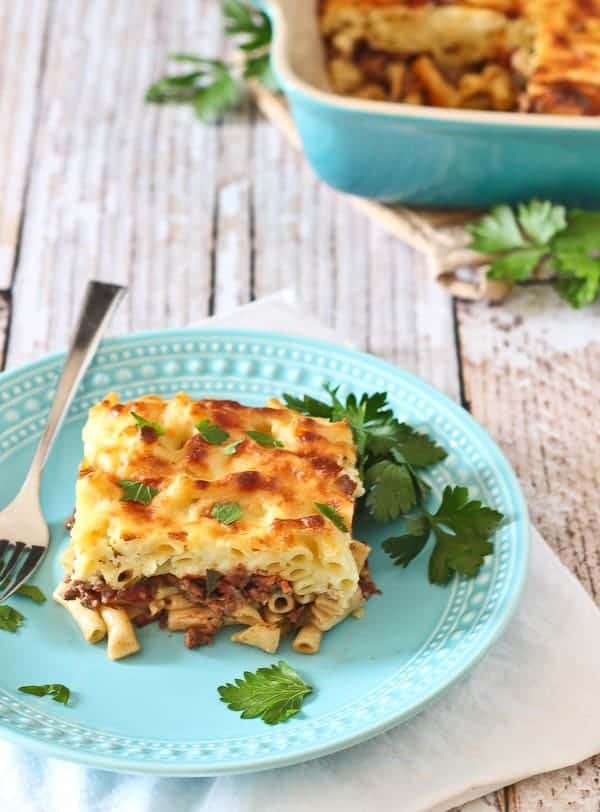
(530,706)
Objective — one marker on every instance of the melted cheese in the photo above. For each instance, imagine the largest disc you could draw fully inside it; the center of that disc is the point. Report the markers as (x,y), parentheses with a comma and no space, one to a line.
(280,530)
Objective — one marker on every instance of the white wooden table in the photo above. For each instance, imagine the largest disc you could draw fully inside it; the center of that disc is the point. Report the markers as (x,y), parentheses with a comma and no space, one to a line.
(196,219)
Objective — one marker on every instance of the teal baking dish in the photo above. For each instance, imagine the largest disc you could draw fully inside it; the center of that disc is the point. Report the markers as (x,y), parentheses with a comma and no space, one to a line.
(426,156)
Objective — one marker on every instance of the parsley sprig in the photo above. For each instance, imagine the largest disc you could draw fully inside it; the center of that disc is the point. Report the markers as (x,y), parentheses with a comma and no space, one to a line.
(214,86)
(274,694)
(462,529)
(56,691)
(540,234)
(391,456)
(10,619)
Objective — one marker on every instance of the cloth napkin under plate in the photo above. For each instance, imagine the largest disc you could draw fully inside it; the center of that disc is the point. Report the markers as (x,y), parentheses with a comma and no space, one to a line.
(531,705)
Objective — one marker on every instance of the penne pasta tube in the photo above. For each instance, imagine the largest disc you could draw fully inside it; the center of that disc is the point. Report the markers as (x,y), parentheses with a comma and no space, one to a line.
(247,615)
(281,603)
(164,591)
(122,639)
(308,640)
(265,636)
(90,622)
(177,602)
(181,619)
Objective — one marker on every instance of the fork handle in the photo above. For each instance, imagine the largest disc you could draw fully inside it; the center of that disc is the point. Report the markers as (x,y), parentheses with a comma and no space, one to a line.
(101,301)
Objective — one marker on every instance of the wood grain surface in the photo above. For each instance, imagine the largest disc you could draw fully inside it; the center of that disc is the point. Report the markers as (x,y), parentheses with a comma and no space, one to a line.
(196,219)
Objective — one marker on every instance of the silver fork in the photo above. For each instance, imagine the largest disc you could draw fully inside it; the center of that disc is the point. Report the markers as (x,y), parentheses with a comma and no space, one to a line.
(24,534)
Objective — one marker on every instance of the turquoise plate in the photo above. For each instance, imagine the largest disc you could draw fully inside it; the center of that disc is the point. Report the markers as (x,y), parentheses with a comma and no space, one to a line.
(159,712)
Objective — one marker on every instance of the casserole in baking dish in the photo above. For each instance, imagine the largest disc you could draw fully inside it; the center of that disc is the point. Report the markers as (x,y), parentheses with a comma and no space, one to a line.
(418,152)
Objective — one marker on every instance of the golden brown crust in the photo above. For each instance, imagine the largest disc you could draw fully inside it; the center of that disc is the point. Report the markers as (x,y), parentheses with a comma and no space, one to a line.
(538,56)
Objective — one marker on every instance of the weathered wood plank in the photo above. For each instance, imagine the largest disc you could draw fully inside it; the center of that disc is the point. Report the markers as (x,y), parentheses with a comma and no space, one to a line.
(119,190)
(491,803)
(531,369)
(22,28)
(576,789)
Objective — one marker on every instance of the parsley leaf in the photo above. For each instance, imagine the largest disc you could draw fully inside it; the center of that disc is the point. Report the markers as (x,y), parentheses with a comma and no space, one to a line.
(142,422)
(134,491)
(59,693)
(461,528)
(541,220)
(403,549)
(496,231)
(10,619)
(264,439)
(211,89)
(226,512)
(274,694)
(309,406)
(332,513)
(232,447)
(521,240)
(390,490)
(32,592)
(416,449)
(248,21)
(213,434)
(576,253)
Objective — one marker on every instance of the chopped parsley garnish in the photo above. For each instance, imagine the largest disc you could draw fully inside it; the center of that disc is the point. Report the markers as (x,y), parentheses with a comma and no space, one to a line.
(391,456)
(59,693)
(330,512)
(134,491)
(32,592)
(264,439)
(232,447)
(274,694)
(540,233)
(226,512)
(143,423)
(10,619)
(213,434)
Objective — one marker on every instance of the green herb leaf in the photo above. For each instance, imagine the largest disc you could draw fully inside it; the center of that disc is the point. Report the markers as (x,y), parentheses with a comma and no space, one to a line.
(403,549)
(330,512)
(259,68)
(232,447)
(212,579)
(309,406)
(496,231)
(390,490)
(10,619)
(32,592)
(134,491)
(416,449)
(242,18)
(518,265)
(142,422)
(274,694)
(226,512)
(264,439)
(218,96)
(462,528)
(576,254)
(211,433)
(59,693)
(541,220)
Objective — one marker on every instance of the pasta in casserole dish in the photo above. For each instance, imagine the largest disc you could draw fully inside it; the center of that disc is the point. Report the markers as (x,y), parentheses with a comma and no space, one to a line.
(540,56)
(200,514)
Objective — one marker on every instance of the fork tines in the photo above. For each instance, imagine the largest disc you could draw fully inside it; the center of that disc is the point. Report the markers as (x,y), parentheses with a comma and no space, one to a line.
(17,562)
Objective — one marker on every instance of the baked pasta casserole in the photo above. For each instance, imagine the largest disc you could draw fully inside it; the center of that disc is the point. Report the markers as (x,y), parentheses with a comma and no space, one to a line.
(540,56)
(200,514)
